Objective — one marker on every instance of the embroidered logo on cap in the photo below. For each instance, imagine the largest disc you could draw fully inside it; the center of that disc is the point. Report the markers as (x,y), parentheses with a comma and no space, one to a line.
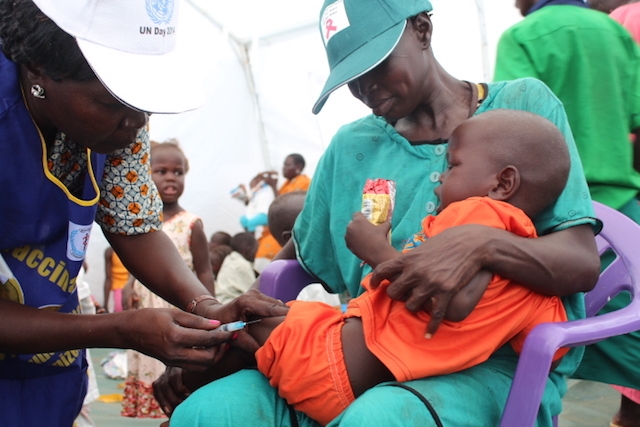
(160,11)
(334,19)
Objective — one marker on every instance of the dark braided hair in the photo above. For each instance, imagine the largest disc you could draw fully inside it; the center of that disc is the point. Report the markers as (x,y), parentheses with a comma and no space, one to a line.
(28,36)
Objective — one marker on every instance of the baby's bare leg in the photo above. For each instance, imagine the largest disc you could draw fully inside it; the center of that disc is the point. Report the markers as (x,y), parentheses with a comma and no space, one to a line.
(235,358)
(364,369)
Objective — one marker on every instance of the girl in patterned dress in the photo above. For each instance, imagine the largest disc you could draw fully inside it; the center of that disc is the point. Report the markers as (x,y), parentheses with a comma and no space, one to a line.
(168,167)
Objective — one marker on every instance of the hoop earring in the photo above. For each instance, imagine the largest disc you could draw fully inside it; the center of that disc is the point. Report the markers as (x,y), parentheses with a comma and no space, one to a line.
(37,91)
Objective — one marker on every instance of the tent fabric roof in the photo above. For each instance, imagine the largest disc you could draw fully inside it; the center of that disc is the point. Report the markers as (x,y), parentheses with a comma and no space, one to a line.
(262,66)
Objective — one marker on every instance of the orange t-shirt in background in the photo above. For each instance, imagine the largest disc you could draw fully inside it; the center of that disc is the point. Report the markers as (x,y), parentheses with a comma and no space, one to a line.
(119,273)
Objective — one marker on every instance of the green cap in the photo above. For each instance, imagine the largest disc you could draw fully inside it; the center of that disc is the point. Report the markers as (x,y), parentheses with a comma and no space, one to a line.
(359,34)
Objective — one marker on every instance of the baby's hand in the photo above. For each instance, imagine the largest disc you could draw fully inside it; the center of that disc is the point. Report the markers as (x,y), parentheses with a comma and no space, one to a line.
(363,238)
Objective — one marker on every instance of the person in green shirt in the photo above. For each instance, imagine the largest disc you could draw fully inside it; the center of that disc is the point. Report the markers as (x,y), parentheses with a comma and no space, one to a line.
(593,65)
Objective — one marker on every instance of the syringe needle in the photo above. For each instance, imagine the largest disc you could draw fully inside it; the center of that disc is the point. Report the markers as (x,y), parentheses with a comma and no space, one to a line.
(235,326)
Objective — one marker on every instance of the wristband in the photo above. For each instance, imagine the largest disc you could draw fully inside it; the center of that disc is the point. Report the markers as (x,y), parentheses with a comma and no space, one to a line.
(191,307)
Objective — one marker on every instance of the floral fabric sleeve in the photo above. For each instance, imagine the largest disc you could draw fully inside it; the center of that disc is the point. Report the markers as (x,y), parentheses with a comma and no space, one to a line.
(129,201)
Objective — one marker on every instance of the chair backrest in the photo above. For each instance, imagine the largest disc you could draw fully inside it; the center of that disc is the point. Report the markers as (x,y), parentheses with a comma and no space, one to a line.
(616,245)
(621,236)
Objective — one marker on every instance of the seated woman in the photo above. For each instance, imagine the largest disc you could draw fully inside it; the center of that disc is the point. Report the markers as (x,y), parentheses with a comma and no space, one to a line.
(383,51)
(320,359)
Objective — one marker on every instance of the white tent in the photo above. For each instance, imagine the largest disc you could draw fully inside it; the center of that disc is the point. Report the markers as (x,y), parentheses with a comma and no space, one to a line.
(262,66)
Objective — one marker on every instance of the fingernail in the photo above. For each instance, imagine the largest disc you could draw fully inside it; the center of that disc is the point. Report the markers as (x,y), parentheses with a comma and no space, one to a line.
(428,336)
(234,336)
(227,347)
(214,322)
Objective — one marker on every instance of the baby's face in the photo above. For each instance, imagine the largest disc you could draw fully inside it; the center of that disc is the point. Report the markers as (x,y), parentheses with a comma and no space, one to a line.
(470,171)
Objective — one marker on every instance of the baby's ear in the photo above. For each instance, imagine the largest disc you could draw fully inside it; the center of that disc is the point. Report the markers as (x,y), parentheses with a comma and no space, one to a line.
(286,235)
(507,183)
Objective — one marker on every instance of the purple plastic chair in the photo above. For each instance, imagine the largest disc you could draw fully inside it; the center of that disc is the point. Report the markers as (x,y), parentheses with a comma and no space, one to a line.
(622,236)
(284,279)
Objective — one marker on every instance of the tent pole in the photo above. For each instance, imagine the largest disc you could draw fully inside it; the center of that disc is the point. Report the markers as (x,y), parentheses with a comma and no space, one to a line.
(241,49)
(246,57)
(484,40)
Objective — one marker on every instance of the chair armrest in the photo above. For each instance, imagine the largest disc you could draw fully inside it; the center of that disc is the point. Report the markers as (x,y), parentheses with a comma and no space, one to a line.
(541,344)
(284,279)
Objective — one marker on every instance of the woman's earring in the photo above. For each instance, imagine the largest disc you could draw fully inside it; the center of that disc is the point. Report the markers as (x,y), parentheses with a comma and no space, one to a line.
(37,91)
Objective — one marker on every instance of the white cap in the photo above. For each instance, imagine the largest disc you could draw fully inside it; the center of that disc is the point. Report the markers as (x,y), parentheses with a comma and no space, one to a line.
(131,46)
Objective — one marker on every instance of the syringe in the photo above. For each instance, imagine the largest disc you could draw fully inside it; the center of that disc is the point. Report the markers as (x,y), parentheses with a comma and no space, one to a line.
(235,326)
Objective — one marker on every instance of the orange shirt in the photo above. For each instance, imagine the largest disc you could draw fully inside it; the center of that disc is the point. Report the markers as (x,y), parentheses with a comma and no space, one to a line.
(506,312)
(119,274)
(299,183)
(268,246)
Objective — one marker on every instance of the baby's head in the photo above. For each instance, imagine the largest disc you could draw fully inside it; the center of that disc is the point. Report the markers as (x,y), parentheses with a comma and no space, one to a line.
(219,238)
(509,155)
(217,255)
(245,244)
(283,212)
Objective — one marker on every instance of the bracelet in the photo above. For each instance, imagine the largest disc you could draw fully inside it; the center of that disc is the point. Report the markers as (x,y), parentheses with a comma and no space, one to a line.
(191,307)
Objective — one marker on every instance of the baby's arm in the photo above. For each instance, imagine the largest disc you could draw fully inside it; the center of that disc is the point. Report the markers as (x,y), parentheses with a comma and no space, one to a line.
(369,242)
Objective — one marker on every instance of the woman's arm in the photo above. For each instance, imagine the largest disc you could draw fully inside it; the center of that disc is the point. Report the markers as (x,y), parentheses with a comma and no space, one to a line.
(561,263)
(172,336)
(153,259)
(199,248)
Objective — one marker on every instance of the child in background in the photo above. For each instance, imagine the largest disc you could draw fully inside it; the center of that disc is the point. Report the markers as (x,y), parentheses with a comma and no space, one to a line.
(115,279)
(168,167)
(87,306)
(282,214)
(217,255)
(505,166)
(237,274)
(219,248)
(219,238)
(255,220)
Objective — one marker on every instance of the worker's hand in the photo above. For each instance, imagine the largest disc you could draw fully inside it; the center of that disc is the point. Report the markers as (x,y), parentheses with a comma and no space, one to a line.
(427,277)
(174,337)
(251,305)
(269,177)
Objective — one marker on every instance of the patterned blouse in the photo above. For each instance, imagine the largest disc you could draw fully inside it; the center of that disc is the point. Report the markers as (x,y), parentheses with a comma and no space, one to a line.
(129,201)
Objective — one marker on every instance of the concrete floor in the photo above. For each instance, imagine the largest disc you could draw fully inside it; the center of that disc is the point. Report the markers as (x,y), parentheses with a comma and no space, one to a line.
(587,404)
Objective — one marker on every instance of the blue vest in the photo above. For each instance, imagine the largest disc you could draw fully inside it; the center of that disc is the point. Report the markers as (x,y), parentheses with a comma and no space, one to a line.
(44,229)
